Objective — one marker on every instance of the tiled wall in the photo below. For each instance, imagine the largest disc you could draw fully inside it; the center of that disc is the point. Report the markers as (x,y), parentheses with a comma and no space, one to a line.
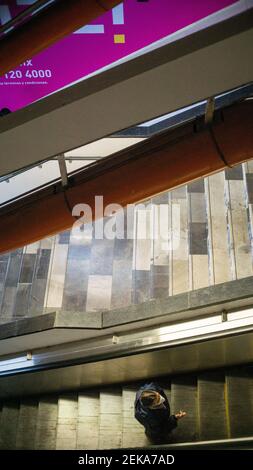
(212,244)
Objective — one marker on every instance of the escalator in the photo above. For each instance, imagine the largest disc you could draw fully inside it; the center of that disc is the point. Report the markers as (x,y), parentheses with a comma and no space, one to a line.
(219,405)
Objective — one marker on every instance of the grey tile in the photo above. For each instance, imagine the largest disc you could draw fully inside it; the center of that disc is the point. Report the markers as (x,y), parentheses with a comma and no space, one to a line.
(79,252)
(37,297)
(121,283)
(22,300)
(76,278)
(43,264)
(249,180)
(27,269)
(198,239)
(13,270)
(101,260)
(196,186)
(3,270)
(141,286)
(198,208)
(64,237)
(5,257)
(234,173)
(159,281)
(8,302)
(160,199)
(179,193)
(123,249)
(38,290)
(129,222)
(76,285)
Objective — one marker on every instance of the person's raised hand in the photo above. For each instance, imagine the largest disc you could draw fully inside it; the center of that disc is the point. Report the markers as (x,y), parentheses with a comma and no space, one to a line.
(180,414)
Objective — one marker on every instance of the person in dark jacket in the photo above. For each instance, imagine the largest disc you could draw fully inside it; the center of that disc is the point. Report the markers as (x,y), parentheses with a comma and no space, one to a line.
(152,410)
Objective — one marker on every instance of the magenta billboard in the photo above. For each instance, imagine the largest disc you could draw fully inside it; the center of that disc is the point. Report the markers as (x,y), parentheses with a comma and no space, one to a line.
(129,27)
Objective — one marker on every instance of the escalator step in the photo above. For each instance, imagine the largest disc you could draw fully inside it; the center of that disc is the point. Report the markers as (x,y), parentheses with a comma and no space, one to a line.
(45,438)
(110,429)
(66,422)
(9,421)
(184,397)
(239,386)
(27,420)
(133,431)
(88,420)
(211,406)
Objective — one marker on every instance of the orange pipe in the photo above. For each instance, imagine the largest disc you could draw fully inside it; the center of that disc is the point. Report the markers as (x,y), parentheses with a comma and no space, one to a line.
(49,26)
(161,163)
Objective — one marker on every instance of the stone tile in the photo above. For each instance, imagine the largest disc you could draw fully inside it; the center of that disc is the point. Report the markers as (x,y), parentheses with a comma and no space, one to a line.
(141,286)
(239,230)
(250,166)
(159,281)
(13,272)
(43,263)
(3,271)
(180,279)
(57,276)
(121,283)
(200,271)
(22,300)
(123,250)
(32,248)
(101,259)
(76,285)
(198,239)
(196,186)
(249,180)
(8,302)
(99,293)
(179,193)
(64,237)
(27,268)
(38,290)
(218,224)
(160,199)
(142,248)
(234,173)
(197,208)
